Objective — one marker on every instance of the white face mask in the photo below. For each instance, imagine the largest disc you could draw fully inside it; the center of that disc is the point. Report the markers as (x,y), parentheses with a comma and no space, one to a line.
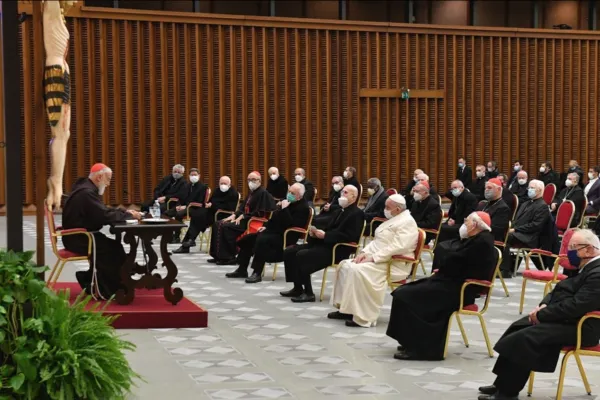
(346,174)
(463,231)
(388,214)
(590,175)
(568,183)
(101,189)
(224,188)
(542,169)
(371,191)
(253,185)
(491,169)
(517,168)
(194,178)
(274,177)
(298,178)
(522,181)
(343,202)
(480,174)
(417,197)
(337,187)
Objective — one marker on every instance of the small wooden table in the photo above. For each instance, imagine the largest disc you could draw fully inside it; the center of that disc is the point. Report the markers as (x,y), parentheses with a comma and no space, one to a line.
(146,232)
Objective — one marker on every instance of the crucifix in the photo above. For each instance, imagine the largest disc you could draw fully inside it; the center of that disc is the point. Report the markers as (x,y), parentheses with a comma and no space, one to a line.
(402,93)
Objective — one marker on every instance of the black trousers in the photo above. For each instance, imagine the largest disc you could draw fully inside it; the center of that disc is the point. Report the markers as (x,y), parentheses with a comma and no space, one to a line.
(448,232)
(264,246)
(508,260)
(200,220)
(223,244)
(510,377)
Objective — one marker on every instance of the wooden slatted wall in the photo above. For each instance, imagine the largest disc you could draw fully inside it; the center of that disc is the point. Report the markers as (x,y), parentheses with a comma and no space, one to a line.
(233,95)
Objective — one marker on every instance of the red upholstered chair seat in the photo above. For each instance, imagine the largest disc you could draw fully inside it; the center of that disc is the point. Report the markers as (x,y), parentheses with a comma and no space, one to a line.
(471,307)
(542,275)
(593,348)
(402,282)
(426,246)
(64,253)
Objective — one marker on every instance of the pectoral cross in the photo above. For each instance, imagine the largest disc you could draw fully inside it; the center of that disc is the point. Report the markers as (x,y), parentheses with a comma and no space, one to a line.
(403,93)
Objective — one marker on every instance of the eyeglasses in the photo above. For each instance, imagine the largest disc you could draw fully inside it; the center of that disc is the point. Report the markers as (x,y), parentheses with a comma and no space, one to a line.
(253,180)
(575,246)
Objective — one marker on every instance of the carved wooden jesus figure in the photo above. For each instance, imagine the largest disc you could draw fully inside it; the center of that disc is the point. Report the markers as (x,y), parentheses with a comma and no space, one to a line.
(57,92)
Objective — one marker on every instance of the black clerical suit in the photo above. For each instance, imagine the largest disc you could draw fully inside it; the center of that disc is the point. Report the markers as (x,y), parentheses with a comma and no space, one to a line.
(564,175)
(202,217)
(460,209)
(223,240)
(309,191)
(427,214)
(510,200)
(575,194)
(477,188)
(407,193)
(374,208)
(301,261)
(520,191)
(168,187)
(195,193)
(354,182)
(84,209)
(492,174)
(278,187)
(324,218)
(528,226)
(465,175)
(549,177)
(525,347)
(500,214)
(421,309)
(267,245)
(593,197)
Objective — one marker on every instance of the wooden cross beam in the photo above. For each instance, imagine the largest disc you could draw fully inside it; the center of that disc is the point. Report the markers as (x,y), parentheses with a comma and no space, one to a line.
(414,93)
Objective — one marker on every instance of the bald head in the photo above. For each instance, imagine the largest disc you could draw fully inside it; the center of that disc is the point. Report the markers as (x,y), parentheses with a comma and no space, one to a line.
(351,193)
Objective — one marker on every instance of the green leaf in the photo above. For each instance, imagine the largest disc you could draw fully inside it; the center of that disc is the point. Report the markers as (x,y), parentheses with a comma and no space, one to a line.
(2,336)
(17,381)
(41,269)
(8,299)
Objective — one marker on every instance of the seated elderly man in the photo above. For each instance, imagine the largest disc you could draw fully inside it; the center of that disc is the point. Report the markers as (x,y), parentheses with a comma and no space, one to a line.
(548,175)
(519,187)
(426,209)
(327,210)
(497,208)
(573,192)
(424,178)
(463,204)
(277,185)
(361,283)
(171,186)
(421,309)
(477,187)
(267,244)
(375,203)
(533,343)
(507,195)
(195,193)
(301,261)
(223,246)
(528,225)
(309,189)
(408,191)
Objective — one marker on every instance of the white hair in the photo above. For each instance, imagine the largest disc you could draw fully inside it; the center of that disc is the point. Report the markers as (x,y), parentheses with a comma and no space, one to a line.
(179,167)
(338,178)
(459,183)
(301,188)
(587,236)
(523,173)
(423,176)
(476,219)
(427,189)
(537,185)
(228,179)
(574,176)
(275,169)
(101,172)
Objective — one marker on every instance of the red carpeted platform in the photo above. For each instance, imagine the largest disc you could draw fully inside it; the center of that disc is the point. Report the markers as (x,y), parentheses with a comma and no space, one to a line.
(149,310)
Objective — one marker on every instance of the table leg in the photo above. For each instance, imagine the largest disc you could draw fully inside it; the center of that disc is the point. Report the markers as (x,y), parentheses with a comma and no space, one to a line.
(173,295)
(126,294)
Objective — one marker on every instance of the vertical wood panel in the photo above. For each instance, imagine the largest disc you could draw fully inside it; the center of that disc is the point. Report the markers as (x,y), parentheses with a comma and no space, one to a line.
(2,152)
(277,102)
(138,190)
(176,65)
(211,101)
(221,69)
(165,101)
(153,104)
(28,140)
(117,111)
(234,117)
(91,81)
(187,59)
(265,101)
(255,122)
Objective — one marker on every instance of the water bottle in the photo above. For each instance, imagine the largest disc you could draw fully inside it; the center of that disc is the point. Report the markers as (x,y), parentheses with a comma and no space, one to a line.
(155,210)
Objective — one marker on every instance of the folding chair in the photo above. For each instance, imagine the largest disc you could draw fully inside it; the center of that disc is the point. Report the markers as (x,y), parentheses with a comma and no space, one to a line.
(502,245)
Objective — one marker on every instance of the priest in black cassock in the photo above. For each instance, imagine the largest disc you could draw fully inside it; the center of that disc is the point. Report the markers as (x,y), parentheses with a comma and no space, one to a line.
(301,261)
(171,186)
(84,209)
(421,309)
(477,187)
(223,198)
(572,191)
(494,205)
(327,210)
(534,342)
(223,247)
(277,185)
(309,193)
(267,244)
(426,209)
(195,193)
(350,179)
(463,204)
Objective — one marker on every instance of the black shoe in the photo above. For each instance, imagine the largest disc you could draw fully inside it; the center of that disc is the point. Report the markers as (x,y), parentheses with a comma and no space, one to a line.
(291,293)
(353,324)
(401,348)
(182,250)
(84,279)
(213,260)
(304,298)
(228,262)
(409,356)
(238,273)
(192,244)
(489,390)
(339,315)
(496,396)
(254,278)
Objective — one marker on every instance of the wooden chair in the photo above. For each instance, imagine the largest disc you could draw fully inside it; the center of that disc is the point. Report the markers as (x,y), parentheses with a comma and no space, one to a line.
(173,201)
(430,249)
(502,245)
(409,260)
(314,199)
(63,255)
(334,264)
(549,193)
(514,206)
(547,277)
(473,309)
(217,213)
(303,231)
(589,219)
(576,351)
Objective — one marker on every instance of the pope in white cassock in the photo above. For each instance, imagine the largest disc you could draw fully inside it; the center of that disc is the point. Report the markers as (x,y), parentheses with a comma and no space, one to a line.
(361,283)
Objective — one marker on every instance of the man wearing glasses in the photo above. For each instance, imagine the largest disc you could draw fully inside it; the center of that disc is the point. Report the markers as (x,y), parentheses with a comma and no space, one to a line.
(533,343)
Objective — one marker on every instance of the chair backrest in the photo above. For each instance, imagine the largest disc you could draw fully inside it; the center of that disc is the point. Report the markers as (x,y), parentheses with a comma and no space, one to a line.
(583,208)
(440,200)
(51,227)
(420,244)
(314,199)
(549,193)
(207,195)
(485,291)
(391,191)
(361,191)
(564,246)
(564,215)
(441,220)
(514,206)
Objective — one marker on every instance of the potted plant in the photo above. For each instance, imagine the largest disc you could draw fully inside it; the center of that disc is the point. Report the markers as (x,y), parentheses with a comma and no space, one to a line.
(53,349)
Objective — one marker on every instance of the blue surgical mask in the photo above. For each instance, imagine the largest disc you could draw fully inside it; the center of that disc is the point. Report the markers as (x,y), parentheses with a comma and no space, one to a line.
(460,165)
(574,259)
(291,198)
(531,193)
(456,192)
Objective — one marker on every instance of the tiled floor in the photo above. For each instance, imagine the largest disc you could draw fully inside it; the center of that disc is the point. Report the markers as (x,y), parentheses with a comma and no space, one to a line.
(261,346)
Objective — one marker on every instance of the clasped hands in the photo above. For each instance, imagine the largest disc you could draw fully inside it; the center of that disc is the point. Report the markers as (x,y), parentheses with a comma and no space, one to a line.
(316,233)
(233,219)
(362,258)
(533,314)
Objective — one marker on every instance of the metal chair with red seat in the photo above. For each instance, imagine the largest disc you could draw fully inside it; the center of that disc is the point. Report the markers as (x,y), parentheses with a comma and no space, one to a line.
(414,261)
(514,206)
(547,277)
(63,255)
(427,248)
(549,193)
(334,264)
(302,231)
(576,351)
(473,309)
(564,217)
